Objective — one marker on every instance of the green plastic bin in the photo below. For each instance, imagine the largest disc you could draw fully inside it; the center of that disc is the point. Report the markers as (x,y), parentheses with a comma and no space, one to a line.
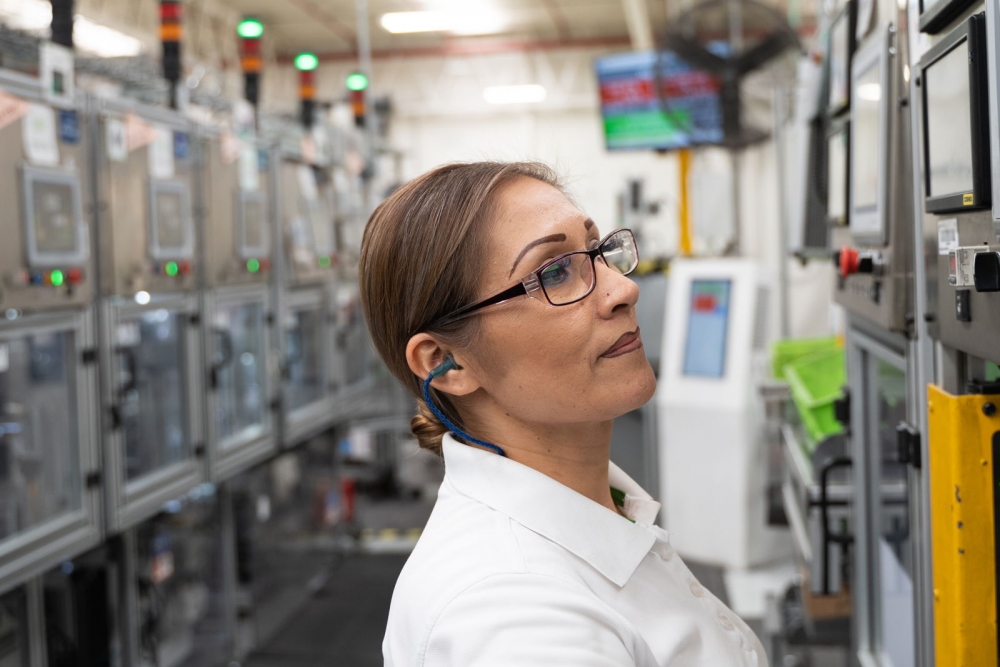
(816,381)
(785,352)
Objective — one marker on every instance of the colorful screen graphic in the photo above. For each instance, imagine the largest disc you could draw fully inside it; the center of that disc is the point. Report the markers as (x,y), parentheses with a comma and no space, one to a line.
(636,118)
(708,328)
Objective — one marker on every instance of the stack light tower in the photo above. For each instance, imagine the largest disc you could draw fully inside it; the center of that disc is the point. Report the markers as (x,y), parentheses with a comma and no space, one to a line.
(250,31)
(357,84)
(306,63)
(171,35)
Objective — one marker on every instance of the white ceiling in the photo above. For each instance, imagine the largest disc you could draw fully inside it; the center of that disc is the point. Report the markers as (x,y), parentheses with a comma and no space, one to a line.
(327,27)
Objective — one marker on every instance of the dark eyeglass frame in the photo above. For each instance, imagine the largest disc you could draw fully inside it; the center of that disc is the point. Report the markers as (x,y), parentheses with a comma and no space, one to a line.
(533,282)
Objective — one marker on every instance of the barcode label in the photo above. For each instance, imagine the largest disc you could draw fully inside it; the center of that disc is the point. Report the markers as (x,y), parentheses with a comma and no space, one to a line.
(947,236)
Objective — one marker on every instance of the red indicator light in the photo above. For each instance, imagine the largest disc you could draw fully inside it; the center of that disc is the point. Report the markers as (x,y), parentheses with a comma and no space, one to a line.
(74,276)
(185,267)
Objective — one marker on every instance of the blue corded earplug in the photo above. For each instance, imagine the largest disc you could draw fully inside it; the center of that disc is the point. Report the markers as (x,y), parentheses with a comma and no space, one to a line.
(449,365)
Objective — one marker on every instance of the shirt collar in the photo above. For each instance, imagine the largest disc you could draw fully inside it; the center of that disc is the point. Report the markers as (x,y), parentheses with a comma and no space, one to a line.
(609,543)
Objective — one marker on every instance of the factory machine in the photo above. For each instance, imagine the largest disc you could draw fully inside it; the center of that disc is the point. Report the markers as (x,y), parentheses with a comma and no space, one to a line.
(151,322)
(237,234)
(307,271)
(49,460)
(957,162)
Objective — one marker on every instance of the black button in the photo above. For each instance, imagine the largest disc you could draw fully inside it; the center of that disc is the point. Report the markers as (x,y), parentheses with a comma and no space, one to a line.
(962,310)
(986,271)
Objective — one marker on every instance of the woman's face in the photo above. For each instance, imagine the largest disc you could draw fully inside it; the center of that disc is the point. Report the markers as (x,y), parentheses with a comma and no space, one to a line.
(544,364)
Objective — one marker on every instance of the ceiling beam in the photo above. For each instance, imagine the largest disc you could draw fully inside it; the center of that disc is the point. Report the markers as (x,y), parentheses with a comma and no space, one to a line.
(327,20)
(640,28)
(558,18)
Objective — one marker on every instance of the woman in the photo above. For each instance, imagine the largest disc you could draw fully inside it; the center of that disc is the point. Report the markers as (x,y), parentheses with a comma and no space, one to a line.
(497,303)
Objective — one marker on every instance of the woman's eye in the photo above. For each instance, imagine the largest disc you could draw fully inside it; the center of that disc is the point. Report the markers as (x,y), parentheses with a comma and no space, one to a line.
(556,273)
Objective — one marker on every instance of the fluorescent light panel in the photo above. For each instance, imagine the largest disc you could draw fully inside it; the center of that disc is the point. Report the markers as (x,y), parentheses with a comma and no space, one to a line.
(524,94)
(481,21)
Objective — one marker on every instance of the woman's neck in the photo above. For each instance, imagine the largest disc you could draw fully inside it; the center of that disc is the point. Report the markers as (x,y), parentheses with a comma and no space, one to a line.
(575,455)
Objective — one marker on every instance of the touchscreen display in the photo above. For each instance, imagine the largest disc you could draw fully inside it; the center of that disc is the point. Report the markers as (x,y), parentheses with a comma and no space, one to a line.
(836,204)
(865,125)
(254,225)
(322,227)
(840,74)
(949,123)
(54,213)
(708,329)
(170,220)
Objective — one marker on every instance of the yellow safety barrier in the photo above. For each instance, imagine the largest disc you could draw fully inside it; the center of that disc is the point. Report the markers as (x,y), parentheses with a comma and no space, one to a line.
(961,446)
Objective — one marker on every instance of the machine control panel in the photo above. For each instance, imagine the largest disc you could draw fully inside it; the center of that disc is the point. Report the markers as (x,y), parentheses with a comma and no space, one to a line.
(147,184)
(308,223)
(45,256)
(238,216)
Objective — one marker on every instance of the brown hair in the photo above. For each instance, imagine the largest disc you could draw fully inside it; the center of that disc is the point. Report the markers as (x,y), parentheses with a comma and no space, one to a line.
(419,261)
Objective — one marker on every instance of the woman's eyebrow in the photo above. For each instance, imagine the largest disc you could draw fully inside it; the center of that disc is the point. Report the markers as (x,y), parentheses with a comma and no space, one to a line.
(553,238)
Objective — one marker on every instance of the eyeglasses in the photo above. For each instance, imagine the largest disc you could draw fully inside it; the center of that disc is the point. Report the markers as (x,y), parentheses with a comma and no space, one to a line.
(567,278)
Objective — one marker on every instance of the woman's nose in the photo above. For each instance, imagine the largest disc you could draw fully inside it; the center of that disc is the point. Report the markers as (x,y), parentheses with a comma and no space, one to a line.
(615,291)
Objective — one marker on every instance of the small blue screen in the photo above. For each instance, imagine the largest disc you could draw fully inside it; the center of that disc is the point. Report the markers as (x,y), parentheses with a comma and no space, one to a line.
(708,328)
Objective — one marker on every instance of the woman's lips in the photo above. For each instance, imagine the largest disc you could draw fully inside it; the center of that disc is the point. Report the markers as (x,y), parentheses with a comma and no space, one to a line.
(629,342)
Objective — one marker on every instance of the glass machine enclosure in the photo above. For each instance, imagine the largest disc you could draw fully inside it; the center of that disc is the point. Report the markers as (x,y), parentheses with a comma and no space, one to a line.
(49,463)
(307,401)
(240,360)
(151,316)
(885,494)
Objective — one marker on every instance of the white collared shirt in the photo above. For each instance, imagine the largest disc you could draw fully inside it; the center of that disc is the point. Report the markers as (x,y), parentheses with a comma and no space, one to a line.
(516,569)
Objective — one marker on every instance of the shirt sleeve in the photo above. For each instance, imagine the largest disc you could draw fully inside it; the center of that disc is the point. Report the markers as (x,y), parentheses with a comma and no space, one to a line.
(528,620)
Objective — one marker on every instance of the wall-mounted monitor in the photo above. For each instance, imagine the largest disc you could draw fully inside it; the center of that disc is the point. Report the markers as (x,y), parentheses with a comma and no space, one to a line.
(838,150)
(253,231)
(936,15)
(869,140)
(840,48)
(53,218)
(680,109)
(708,329)
(956,132)
(171,228)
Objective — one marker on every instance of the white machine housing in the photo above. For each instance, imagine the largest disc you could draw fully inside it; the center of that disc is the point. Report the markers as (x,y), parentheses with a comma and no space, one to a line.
(713,458)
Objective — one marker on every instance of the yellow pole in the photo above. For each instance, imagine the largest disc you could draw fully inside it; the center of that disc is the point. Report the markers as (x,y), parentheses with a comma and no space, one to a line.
(684,158)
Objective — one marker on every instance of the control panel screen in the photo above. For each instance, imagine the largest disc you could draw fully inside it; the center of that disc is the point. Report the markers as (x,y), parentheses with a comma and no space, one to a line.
(322,227)
(170,221)
(865,125)
(836,193)
(56,228)
(56,233)
(708,329)
(840,54)
(949,123)
(253,225)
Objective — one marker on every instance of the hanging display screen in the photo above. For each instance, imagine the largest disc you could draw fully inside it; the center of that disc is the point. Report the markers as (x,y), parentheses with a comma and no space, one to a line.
(681,109)
(55,230)
(956,145)
(708,329)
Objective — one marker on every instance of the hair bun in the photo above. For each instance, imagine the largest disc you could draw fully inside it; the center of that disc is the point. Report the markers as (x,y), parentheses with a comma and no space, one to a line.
(428,429)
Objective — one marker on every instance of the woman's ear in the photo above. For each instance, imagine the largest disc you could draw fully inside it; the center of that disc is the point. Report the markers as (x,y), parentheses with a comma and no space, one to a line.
(424,354)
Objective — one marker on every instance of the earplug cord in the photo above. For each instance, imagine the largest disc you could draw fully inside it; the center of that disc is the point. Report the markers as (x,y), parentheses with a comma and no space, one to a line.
(448,365)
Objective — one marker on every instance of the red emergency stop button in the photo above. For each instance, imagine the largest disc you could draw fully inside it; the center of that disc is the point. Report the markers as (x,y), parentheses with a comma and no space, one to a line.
(848,261)
(74,276)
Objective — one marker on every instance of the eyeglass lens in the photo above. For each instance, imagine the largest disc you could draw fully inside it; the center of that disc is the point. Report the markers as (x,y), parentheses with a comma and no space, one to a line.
(571,278)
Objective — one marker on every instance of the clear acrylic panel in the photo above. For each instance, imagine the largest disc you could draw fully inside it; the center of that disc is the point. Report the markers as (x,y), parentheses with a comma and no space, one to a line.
(304,355)
(180,577)
(355,350)
(238,368)
(14,638)
(894,575)
(151,391)
(39,441)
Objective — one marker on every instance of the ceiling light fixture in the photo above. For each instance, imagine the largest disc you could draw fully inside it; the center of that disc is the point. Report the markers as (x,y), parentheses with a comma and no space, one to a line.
(103,41)
(461,22)
(525,94)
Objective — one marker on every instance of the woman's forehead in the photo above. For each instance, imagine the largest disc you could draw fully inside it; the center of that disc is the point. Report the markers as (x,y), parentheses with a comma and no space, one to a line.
(530,209)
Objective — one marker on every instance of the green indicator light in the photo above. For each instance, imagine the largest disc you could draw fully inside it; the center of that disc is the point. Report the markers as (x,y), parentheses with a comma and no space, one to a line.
(57,278)
(170,268)
(250,29)
(253,265)
(357,81)
(306,62)
(324,261)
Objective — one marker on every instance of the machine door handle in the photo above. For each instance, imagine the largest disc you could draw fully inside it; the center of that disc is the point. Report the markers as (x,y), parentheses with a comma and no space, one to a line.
(829,537)
(132,368)
(225,358)
(908,444)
